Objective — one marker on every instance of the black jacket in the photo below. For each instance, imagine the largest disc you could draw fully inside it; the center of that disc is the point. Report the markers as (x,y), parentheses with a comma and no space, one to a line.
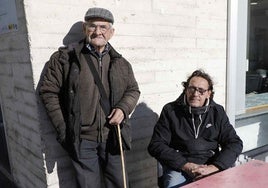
(174,143)
(60,91)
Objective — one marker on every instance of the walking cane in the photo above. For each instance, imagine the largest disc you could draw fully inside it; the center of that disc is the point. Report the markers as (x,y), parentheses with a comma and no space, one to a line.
(122,155)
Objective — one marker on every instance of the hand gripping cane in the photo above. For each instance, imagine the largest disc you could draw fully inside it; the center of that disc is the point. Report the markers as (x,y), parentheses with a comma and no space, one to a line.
(122,155)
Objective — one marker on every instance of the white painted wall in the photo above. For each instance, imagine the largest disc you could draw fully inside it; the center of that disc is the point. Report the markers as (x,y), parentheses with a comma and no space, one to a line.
(170,38)
(253,130)
(164,40)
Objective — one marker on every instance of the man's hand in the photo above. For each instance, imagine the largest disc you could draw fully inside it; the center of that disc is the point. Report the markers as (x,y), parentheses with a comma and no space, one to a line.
(116,116)
(203,171)
(190,169)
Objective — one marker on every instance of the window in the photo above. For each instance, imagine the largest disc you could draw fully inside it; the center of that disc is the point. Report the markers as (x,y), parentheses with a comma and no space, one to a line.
(257,73)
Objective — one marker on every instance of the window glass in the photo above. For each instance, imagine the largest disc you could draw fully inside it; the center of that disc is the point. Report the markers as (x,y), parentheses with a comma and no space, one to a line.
(257,74)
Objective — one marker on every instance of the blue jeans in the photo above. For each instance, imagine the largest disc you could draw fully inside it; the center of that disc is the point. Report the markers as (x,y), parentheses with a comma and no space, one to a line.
(174,179)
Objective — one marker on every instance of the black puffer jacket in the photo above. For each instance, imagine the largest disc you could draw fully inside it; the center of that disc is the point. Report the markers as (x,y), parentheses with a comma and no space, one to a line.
(60,91)
(174,142)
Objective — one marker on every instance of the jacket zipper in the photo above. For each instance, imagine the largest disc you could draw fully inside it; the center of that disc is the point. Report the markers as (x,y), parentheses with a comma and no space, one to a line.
(100,111)
(196,131)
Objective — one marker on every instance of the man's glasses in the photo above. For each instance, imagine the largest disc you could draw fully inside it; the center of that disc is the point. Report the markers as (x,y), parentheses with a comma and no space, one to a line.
(192,90)
(93,27)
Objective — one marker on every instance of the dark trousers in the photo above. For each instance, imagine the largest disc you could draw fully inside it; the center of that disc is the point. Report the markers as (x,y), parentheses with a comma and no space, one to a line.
(97,168)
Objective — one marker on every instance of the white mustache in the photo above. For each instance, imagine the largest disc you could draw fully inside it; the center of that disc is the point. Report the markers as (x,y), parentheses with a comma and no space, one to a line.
(90,39)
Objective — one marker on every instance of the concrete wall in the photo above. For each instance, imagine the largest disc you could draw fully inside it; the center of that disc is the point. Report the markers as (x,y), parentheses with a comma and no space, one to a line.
(19,106)
(164,40)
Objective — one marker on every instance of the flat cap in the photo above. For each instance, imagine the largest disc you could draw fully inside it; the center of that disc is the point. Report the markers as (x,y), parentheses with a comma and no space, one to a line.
(99,13)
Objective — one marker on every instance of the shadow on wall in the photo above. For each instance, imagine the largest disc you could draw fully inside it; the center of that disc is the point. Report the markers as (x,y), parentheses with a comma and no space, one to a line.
(56,159)
(74,35)
(263,131)
(140,166)
(253,131)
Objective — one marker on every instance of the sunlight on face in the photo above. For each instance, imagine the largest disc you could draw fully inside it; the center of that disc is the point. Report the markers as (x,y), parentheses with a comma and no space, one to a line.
(98,32)
(197,92)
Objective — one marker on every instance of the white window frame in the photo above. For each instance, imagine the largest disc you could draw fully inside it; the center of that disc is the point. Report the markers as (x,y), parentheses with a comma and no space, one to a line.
(237,62)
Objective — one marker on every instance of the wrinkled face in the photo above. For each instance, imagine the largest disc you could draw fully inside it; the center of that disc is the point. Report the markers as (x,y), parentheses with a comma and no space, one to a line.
(197,92)
(98,32)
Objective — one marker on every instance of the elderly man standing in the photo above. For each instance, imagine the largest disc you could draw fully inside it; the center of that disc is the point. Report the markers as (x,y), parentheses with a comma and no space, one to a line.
(88,90)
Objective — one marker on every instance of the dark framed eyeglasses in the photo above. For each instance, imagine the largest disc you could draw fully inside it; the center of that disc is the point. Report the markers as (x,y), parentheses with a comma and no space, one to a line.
(192,90)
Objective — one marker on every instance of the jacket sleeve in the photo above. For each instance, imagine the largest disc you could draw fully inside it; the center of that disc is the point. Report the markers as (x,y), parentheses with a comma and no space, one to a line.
(160,141)
(131,92)
(50,89)
(230,143)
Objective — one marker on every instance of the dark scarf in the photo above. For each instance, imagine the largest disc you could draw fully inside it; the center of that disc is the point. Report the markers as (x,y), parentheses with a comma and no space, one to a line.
(196,113)
(197,110)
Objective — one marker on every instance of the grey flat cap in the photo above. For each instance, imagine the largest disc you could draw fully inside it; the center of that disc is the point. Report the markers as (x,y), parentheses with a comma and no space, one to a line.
(99,13)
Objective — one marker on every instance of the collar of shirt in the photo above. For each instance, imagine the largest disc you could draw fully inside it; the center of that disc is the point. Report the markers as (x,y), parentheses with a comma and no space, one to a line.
(94,51)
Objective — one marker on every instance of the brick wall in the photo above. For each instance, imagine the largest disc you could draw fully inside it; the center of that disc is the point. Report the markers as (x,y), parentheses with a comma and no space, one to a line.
(164,41)
(19,107)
